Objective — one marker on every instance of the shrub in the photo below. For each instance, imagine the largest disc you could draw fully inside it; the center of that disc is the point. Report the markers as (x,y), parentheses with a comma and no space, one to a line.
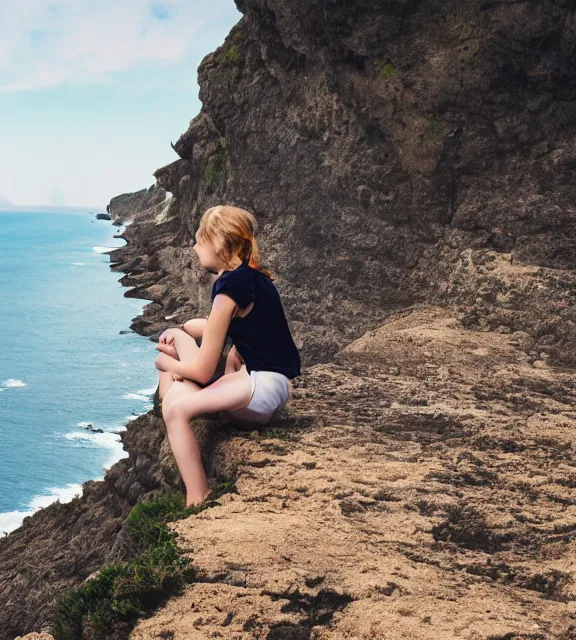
(230,56)
(122,592)
(215,170)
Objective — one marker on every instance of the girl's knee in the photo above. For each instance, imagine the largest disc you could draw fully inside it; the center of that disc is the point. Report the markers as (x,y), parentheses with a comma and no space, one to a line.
(169,409)
(176,406)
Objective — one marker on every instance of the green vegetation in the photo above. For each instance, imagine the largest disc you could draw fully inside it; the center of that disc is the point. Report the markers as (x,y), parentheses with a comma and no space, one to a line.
(230,56)
(279,433)
(385,68)
(216,169)
(122,592)
(435,125)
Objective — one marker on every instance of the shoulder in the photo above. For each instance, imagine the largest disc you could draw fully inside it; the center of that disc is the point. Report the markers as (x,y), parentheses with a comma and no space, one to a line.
(240,276)
(238,283)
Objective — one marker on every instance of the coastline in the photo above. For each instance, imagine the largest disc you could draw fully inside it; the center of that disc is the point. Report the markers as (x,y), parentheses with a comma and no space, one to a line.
(419,484)
(108,439)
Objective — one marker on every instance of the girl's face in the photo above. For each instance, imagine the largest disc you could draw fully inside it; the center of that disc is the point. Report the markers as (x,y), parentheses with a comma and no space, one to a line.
(206,254)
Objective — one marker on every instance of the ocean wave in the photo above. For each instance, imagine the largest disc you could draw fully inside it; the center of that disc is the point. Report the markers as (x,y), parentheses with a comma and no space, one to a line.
(104,249)
(147,392)
(135,396)
(12,382)
(107,439)
(79,264)
(144,395)
(87,437)
(11,520)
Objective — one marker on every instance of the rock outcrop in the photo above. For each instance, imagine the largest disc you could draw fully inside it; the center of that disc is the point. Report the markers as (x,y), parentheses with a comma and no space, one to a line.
(387,149)
(123,208)
(410,166)
(431,498)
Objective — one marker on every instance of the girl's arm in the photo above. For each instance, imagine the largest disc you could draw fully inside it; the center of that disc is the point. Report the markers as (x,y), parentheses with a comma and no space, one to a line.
(203,366)
(195,327)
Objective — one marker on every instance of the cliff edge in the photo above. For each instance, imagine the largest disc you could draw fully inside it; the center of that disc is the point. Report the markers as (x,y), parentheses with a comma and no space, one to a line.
(410,166)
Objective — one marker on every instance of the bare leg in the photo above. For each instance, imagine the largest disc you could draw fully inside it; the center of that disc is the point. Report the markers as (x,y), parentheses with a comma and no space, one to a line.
(165,383)
(186,346)
(183,401)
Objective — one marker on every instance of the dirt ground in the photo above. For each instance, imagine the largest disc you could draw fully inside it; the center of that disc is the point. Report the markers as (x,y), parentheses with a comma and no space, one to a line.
(421,486)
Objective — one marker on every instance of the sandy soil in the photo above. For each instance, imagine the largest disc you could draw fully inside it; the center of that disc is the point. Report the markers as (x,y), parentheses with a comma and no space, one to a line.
(421,487)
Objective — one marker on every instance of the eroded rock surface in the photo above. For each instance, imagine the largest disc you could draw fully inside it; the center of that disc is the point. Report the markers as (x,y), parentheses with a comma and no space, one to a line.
(430,498)
(386,149)
(411,168)
(125,207)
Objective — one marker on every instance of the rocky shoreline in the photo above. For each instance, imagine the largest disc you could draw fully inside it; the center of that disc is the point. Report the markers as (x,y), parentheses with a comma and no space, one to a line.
(411,169)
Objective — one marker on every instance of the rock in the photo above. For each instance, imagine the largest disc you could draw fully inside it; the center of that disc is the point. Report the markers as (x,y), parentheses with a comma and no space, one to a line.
(411,172)
(126,207)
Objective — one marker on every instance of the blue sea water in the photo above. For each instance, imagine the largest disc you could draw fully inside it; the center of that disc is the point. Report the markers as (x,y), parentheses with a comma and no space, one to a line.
(64,362)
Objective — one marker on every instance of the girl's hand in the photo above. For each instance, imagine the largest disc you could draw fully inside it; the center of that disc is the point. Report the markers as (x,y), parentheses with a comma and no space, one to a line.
(166,337)
(169,349)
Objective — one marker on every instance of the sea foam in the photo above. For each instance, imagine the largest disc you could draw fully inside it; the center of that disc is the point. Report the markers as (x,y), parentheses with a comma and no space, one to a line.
(147,392)
(13,519)
(108,439)
(12,382)
(135,396)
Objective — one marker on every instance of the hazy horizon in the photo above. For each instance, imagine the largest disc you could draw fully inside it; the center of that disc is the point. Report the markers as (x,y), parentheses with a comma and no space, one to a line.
(51,208)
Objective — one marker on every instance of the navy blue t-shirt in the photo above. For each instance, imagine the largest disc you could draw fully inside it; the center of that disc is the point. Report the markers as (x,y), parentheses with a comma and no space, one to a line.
(263,337)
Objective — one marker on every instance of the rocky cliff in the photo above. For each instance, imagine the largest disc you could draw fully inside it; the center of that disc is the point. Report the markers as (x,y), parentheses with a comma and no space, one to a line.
(126,207)
(410,166)
(387,148)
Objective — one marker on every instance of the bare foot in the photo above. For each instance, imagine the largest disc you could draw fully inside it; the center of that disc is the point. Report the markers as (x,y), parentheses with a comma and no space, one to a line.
(193,503)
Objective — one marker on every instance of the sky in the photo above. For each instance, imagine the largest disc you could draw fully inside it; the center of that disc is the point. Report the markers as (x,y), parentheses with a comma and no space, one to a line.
(92,92)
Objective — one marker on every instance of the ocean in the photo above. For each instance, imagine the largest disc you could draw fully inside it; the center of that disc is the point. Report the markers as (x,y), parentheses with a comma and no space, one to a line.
(65,365)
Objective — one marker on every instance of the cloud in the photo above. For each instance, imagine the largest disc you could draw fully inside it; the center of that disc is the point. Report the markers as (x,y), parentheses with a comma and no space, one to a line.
(44,43)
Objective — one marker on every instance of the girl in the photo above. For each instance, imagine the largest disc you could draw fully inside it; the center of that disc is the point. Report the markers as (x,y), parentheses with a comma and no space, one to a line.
(246,308)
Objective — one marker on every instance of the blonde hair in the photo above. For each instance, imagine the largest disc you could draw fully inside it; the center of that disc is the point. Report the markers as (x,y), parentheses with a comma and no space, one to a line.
(231,231)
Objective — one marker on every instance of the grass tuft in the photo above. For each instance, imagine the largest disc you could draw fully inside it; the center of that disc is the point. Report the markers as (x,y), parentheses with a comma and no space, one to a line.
(125,591)
(386,68)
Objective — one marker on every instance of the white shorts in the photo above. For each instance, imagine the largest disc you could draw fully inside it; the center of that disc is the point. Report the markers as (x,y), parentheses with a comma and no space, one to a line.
(270,389)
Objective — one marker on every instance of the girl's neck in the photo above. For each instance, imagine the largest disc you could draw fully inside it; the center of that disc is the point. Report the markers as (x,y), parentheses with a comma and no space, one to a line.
(231,267)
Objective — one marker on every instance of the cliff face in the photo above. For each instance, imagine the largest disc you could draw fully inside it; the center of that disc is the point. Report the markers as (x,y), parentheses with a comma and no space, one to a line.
(386,148)
(61,545)
(409,164)
(124,207)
